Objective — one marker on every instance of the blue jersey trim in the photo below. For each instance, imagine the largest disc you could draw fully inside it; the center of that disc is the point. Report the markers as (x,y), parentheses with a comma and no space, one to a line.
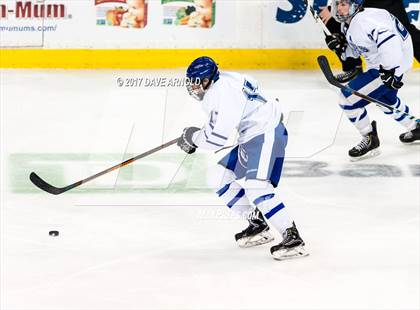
(208,141)
(388,38)
(219,136)
(216,144)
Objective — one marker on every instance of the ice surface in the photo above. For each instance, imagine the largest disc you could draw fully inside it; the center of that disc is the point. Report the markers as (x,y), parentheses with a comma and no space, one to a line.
(154,236)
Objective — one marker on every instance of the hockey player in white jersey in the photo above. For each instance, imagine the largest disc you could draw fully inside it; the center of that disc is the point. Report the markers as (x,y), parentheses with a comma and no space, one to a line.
(233,102)
(387,49)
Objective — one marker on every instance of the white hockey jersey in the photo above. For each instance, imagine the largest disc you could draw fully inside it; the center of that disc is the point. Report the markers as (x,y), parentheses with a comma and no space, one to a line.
(235,102)
(381,39)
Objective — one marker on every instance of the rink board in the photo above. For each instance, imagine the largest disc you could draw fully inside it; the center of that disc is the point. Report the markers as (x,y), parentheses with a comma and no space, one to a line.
(298,59)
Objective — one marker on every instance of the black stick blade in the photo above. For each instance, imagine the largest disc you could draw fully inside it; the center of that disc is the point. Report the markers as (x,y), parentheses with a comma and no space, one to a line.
(41,184)
(326,69)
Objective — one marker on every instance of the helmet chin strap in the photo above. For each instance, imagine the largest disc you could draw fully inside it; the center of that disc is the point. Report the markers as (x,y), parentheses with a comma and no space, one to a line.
(203,92)
(209,83)
(199,95)
(211,79)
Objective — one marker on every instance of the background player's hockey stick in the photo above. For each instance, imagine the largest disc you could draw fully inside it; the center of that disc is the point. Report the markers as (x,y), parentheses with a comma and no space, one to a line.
(326,69)
(317,18)
(40,183)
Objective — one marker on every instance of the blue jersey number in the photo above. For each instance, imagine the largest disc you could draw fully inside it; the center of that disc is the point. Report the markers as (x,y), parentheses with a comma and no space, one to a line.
(251,92)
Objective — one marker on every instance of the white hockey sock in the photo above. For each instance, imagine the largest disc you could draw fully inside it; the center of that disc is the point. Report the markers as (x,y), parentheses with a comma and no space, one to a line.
(234,197)
(401,118)
(261,194)
(274,211)
(360,119)
(357,116)
(231,192)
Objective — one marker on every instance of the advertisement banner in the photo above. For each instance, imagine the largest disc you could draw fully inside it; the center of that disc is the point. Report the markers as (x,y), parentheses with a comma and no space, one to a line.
(165,24)
(24,23)
(122,13)
(191,13)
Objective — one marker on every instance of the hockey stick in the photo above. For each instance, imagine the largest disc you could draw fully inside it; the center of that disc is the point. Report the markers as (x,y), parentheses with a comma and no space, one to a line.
(40,183)
(317,18)
(225,147)
(326,69)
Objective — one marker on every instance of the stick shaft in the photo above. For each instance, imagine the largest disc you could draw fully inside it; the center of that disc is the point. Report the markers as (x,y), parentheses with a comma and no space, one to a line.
(129,161)
(40,183)
(317,18)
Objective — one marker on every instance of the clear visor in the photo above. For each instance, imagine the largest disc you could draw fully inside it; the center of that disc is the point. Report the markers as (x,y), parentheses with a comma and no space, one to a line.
(196,90)
(343,10)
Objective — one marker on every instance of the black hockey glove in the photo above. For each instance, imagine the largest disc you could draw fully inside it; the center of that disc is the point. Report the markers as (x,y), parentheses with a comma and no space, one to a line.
(389,79)
(185,141)
(337,42)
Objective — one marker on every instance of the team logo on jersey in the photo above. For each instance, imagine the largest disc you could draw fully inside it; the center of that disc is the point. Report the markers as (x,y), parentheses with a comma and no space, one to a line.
(359,49)
(213,116)
(400,28)
(243,156)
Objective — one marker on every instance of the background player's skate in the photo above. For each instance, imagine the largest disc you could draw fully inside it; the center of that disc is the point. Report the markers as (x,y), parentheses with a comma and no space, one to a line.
(412,135)
(368,147)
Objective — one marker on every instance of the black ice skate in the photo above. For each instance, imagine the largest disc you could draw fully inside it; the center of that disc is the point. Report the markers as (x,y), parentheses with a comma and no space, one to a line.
(292,245)
(411,136)
(368,147)
(256,233)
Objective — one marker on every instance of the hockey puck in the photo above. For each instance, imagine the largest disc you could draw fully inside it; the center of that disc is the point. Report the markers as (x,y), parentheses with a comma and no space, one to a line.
(54,233)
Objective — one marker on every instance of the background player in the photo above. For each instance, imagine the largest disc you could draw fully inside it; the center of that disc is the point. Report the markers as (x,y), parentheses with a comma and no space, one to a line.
(388,52)
(353,66)
(233,101)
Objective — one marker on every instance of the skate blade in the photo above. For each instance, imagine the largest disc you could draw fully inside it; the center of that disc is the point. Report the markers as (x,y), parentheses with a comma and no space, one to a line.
(370,154)
(295,252)
(410,142)
(262,238)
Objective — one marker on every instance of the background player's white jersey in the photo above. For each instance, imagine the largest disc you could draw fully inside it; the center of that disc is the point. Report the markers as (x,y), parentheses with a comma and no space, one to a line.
(381,39)
(235,102)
